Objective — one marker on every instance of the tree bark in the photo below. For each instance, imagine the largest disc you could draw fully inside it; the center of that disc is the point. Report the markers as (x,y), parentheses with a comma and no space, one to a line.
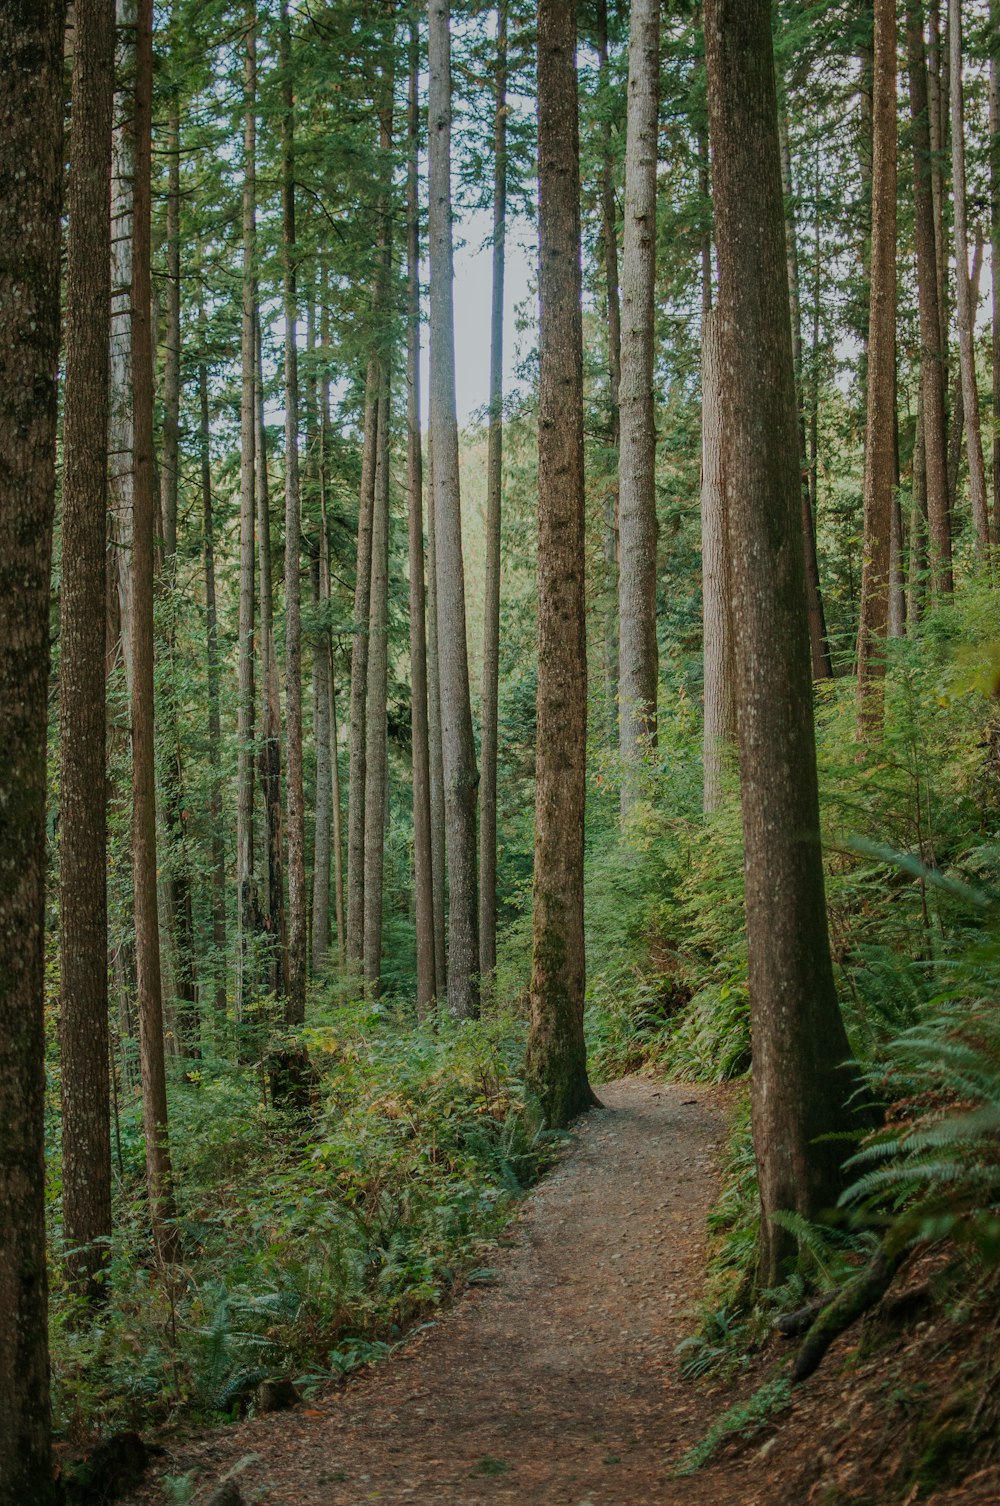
(799,1044)
(435,756)
(932,357)
(31,164)
(609,243)
(159,1176)
(83,903)
(458,746)
(423,870)
(359,672)
(489,709)
(295,982)
(246,884)
(720,690)
(219,959)
(556,1064)
(916,588)
(819,647)
(995,262)
(322,676)
(880,445)
(966,304)
(637,682)
(376,752)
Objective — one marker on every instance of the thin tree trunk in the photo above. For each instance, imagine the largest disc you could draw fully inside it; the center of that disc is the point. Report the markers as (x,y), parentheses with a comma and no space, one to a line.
(556,1062)
(458,746)
(31,168)
(376,752)
(295,995)
(423,872)
(799,1043)
(246,885)
(219,960)
(435,756)
(144,863)
(359,672)
(338,858)
(83,901)
(880,449)
(609,243)
(916,583)
(489,709)
(819,648)
(270,739)
(322,674)
(897,564)
(966,305)
(932,359)
(995,261)
(720,689)
(956,430)
(636,476)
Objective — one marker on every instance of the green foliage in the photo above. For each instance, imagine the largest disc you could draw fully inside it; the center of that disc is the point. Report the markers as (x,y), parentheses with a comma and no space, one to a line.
(311,1245)
(744,1420)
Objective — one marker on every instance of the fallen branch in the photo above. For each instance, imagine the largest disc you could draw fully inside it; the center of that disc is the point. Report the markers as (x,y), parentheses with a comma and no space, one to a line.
(856,1298)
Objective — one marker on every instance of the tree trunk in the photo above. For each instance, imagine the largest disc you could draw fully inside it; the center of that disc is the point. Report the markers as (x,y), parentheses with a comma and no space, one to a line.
(932,357)
(995,263)
(818,646)
(489,709)
(916,587)
(556,1063)
(965,301)
(83,903)
(359,672)
(246,883)
(338,858)
(376,752)
(31,166)
(636,475)
(322,675)
(144,863)
(880,446)
(295,994)
(458,747)
(219,960)
(720,690)
(897,564)
(799,1044)
(423,872)
(270,739)
(609,243)
(435,758)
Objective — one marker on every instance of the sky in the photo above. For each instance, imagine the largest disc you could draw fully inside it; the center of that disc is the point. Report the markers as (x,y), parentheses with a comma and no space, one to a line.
(473,295)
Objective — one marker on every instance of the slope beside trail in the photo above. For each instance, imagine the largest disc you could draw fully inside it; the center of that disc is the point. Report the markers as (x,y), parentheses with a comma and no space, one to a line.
(556,1384)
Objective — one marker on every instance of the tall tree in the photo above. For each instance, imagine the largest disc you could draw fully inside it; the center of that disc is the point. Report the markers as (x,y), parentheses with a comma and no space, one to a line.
(214,697)
(83,934)
(557,1056)
(458,745)
(880,430)
(270,732)
(932,365)
(819,647)
(994,120)
(423,864)
(965,299)
(637,682)
(295,982)
(720,707)
(359,668)
(322,673)
(435,758)
(159,1175)
(376,752)
(31,109)
(247,905)
(609,247)
(494,490)
(799,1083)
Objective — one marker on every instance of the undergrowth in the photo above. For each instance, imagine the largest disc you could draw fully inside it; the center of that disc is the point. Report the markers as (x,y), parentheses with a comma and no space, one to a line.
(312,1241)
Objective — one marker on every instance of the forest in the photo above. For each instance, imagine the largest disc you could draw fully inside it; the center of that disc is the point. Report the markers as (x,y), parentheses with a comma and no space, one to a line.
(499,679)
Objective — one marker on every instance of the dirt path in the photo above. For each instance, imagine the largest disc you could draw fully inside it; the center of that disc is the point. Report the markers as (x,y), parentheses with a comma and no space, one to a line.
(559,1383)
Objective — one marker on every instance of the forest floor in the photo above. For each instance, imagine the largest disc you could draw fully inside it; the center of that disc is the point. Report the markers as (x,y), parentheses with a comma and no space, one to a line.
(557,1384)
